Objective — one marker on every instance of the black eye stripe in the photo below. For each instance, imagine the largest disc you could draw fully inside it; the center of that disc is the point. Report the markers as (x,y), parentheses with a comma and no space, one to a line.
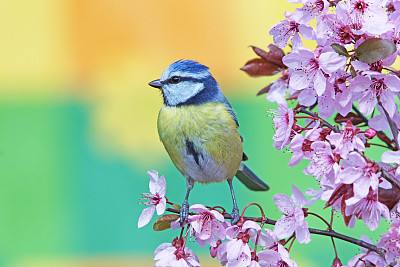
(182,79)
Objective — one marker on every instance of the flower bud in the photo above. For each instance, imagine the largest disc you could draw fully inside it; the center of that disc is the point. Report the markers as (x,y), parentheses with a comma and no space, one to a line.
(370,133)
(214,250)
(337,263)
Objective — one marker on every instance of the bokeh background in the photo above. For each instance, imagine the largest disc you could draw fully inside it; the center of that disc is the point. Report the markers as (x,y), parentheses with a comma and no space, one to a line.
(78,124)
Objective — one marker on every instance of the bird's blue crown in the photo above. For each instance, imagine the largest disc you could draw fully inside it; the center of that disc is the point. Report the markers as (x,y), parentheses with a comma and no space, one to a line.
(188,66)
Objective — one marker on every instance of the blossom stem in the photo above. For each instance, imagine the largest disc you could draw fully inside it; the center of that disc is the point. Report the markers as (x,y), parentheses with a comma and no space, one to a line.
(316,215)
(290,238)
(307,117)
(366,120)
(261,209)
(181,230)
(330,233)
(361,259)
(333,241)
(334,246)
(374,144)
(218,207)
(392,125)
(186,235)
(323,122)
(291,243)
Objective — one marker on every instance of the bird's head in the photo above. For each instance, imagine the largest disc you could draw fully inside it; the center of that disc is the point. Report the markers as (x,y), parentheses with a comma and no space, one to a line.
(186,82)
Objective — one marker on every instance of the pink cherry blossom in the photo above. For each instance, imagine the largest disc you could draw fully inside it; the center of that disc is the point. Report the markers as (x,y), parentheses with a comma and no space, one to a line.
(369,258)
(301,145)
(346,141)
(323,161)
(361,173)
(271,258)
(280,86)
(369,209)
(333,28)
(267,240)
(292,219)
(366,16)
(311,69)
(311,8)
(379,87)
(206,224)
(390,241)
(283,121)
(167,254)
(286,29)
(236,250)
(156,198)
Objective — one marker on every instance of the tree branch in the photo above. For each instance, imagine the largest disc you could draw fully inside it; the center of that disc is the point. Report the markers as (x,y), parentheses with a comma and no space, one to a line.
(330,233)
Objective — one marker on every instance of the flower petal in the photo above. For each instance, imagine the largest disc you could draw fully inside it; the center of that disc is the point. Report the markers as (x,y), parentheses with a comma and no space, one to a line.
(284,203)
(161,206)
(146,216)
(284,227)
(298,198)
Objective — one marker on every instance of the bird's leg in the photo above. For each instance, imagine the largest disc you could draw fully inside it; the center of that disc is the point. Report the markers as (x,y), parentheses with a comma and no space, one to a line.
(184,212)
(235,211)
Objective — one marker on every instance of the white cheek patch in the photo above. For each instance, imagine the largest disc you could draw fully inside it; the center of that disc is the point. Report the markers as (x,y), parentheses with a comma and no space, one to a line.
(181,92)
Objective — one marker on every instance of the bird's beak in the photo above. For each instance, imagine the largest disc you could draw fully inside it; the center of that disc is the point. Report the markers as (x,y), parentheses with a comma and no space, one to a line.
(156,84)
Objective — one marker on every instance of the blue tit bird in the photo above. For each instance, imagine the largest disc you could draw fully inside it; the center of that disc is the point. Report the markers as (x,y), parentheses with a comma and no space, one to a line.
(199,130)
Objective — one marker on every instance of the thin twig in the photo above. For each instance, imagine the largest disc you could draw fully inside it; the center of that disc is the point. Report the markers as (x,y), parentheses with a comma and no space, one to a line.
(389,147)
(291,244)
(366,120)
(316,215)
(323,122)
(390,178)
(330,233)
(392,125)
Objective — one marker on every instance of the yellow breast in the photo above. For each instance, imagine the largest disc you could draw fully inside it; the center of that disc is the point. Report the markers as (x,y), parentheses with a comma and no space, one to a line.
(211,131)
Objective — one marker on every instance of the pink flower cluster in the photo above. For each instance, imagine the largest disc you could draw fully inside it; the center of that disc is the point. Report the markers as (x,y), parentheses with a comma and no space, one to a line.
(349,181)
(231,244)
(334,80)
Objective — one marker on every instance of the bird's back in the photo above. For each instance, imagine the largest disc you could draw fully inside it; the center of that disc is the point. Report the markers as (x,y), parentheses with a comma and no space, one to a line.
(202,140)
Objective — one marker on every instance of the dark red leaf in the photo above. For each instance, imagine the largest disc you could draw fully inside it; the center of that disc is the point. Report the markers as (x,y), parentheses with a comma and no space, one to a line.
(274,55)
(381,135)
(259,67)
(344,190)
(264,90)
(389,197)
(354,118)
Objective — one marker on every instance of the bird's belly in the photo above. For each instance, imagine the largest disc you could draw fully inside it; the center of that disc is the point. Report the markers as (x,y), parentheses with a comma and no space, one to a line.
(202,141)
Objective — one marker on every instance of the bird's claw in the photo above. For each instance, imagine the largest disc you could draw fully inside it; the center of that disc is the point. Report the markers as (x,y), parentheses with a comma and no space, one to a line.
(235,215)
(184,213)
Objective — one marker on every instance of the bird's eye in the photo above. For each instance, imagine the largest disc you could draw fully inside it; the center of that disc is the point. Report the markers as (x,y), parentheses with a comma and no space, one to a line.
(175,79)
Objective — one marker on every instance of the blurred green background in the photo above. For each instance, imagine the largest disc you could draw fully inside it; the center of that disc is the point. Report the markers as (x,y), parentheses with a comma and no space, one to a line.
(78,125)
